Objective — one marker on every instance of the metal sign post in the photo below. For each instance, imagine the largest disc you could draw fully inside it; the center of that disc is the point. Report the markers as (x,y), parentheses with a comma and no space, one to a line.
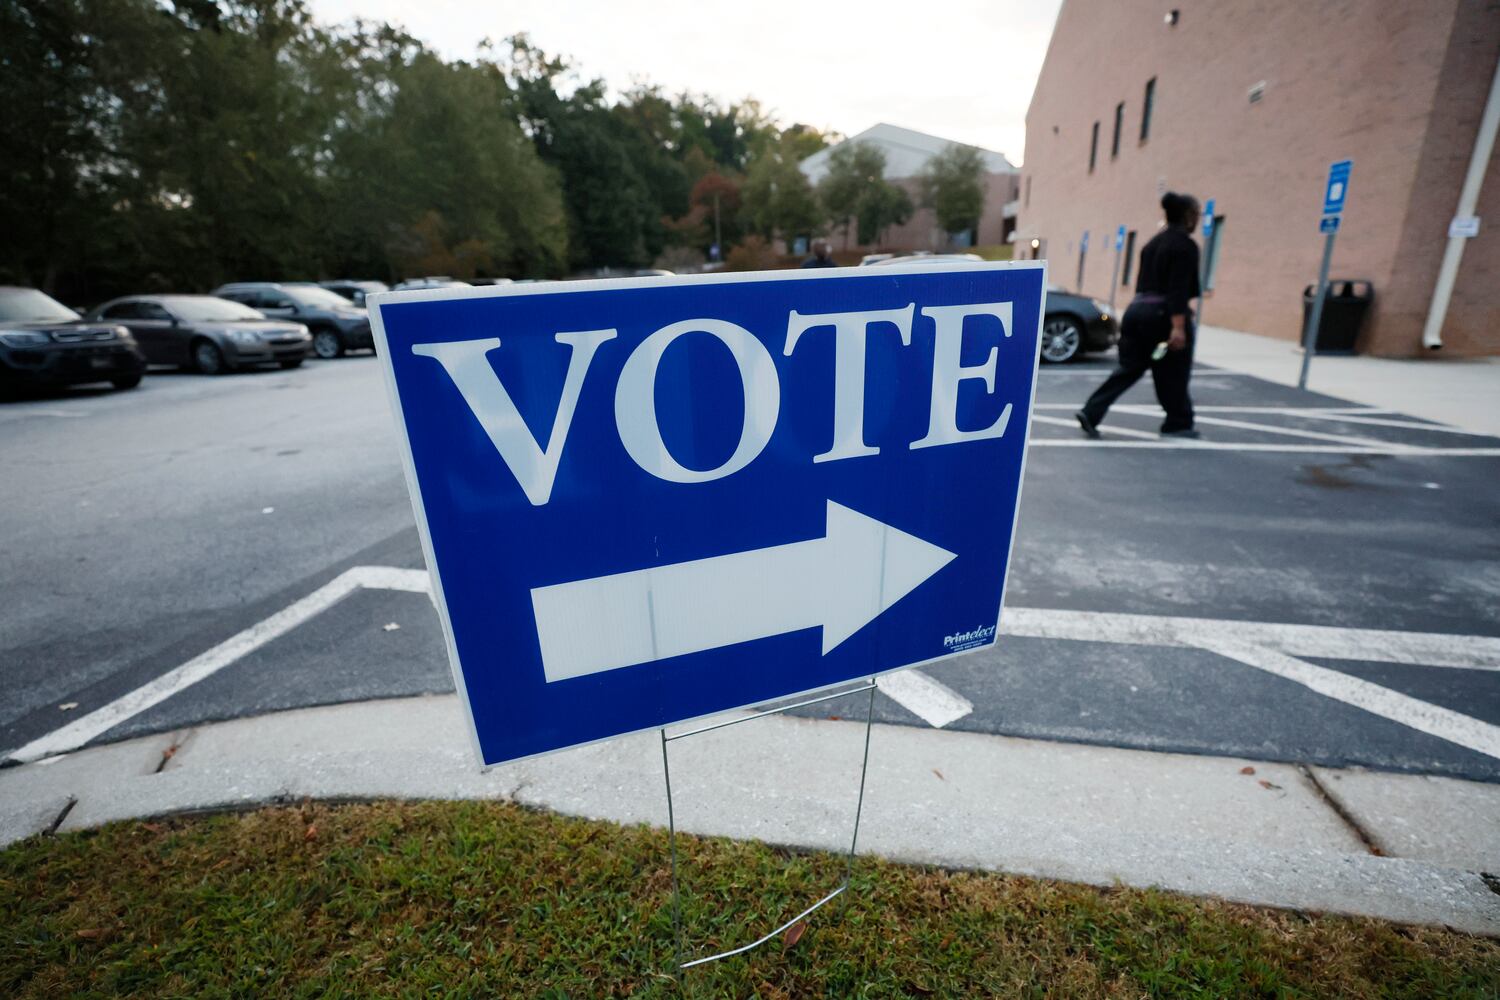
(864,770)
(1335,191)
(1114,277)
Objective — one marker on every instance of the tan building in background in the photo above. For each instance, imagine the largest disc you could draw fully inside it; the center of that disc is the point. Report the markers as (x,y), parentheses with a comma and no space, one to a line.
(1248,103)
(906,154)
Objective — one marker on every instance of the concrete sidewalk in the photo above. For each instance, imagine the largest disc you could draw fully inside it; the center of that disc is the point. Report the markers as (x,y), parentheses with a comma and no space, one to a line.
(1264,833)
(1460,392)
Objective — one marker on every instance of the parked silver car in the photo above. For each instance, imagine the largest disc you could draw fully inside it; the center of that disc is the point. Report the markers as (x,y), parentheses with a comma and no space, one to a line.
(337,325)
(204,333)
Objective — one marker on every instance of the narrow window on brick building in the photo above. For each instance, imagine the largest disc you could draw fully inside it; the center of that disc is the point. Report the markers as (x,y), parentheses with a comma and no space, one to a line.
(1129,259)
(1094,148)
(1146,104)
(1028,191)
(1114,146)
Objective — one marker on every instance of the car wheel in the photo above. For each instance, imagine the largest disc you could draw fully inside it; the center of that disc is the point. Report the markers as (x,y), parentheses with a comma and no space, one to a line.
(207,358)
(292,363)
(126,381)
(327,344)
(1062,339)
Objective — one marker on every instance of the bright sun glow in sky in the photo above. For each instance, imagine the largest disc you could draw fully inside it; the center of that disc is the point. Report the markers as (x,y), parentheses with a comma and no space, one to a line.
(961,69)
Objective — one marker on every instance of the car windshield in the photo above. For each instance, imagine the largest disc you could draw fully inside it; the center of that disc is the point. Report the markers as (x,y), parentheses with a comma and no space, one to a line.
(208,308)
(318,298)
(24,305)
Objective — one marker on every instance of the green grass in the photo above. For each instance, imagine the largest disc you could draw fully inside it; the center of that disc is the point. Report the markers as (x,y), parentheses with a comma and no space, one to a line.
(482,899)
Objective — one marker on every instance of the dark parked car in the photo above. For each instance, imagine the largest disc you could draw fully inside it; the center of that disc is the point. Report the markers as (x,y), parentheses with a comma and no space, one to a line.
(355,291)
(205,333)
(1071,324)
(43,342)
(337,324)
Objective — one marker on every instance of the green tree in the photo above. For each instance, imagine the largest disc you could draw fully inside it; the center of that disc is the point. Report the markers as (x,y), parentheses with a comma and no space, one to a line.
(855,192)
(61,62)
(952,185)
(614,216)
(445,165)
(778,199)
(883,206)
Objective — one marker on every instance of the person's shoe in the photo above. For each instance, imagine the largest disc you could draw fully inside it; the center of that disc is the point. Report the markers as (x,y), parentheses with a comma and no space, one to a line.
(1186,432)
(1089,430)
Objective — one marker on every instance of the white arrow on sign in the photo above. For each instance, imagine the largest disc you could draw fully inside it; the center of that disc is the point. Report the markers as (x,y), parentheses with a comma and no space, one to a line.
(840,582)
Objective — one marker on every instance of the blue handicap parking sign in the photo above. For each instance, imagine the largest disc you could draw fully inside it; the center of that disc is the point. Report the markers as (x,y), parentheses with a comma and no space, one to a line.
(648,500)
(1208,217)
(1337,188)
(1119,237)
(1330,224)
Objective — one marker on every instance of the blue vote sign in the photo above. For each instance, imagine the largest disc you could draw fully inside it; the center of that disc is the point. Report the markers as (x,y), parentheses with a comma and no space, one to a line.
(648,500)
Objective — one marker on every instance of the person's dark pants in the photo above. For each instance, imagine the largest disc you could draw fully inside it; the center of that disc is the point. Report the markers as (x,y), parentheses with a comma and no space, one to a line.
(1143,326)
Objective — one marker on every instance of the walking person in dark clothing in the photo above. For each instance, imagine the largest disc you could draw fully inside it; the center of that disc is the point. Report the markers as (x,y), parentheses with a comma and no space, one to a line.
(822,254)
(1156,332)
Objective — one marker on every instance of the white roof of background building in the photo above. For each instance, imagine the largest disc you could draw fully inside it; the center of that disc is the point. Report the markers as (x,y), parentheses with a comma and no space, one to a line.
(906,152)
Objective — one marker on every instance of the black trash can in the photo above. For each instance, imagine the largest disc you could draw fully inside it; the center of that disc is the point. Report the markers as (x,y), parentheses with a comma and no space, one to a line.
(1343,314)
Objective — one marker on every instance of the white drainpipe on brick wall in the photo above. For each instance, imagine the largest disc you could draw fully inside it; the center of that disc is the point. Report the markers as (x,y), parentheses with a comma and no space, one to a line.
(1468,199)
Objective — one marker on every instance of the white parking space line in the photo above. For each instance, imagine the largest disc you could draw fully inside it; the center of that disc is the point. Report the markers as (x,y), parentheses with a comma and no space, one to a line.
(1267,446)
(1345,439)
(935,704)
(1286,410)
(1106,431)
(1103,373)
(1369,421)
(1382,701)
(1430,649)
(1268,645)
(210,662)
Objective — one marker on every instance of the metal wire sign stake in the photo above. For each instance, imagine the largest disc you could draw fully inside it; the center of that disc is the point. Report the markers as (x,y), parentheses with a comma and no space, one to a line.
(666,768)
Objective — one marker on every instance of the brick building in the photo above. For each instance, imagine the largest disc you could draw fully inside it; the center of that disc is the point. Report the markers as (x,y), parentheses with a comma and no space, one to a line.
(1248,103)
(906,154)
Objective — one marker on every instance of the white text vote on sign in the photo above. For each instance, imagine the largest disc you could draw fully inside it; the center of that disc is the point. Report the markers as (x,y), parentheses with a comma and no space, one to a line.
(840,582)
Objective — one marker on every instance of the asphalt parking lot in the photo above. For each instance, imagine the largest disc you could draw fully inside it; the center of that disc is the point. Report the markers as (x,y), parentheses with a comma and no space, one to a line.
(194,550)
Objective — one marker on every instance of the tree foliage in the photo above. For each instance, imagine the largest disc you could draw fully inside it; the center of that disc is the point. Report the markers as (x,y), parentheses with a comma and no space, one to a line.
(156,146)
(952,185)
(855,191)
(777,196)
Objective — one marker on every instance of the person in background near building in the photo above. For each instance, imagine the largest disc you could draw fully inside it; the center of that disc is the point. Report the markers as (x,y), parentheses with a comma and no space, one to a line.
(1156,331)
(822,255)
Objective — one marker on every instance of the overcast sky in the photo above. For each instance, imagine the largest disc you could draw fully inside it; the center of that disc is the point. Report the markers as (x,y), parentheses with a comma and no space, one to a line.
(961,69)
